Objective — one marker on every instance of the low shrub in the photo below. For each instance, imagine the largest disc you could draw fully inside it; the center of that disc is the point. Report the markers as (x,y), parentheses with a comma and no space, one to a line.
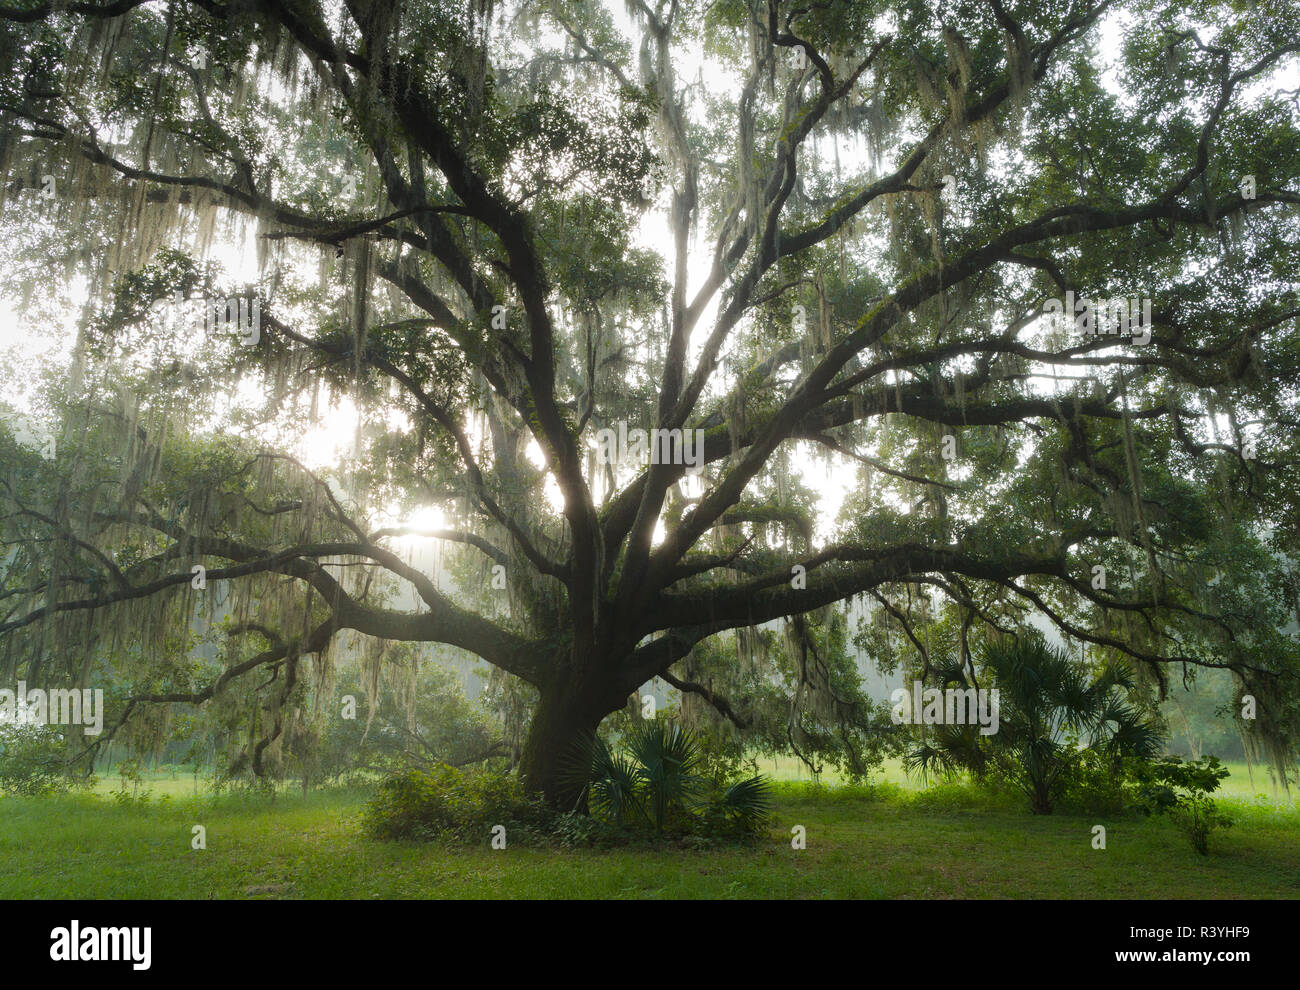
(657,779)
(1097,784)
(1050,712)
(130,775)
(33,760)
(651,788)
(740,811)
(574,830)
(445,802)
(1181,790)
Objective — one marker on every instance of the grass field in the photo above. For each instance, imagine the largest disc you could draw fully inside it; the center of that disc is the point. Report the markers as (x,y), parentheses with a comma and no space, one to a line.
(1253,785)
(883,841)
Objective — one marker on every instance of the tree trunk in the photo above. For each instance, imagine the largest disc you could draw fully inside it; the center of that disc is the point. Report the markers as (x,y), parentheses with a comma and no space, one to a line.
(568,712)
(1041,799)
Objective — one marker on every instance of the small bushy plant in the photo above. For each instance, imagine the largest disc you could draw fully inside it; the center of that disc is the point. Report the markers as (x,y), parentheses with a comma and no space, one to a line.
(739,811)
(1096,784)
(130,775)
(574,830)
(32,760)
(650,783)
(1048,706)
(660,777)
(447,802)
(1182,791)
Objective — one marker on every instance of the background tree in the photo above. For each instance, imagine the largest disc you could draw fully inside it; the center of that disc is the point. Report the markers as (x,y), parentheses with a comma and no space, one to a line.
(864,208)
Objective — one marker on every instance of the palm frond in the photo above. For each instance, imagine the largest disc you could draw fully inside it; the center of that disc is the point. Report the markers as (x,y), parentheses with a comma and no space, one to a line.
(749,799)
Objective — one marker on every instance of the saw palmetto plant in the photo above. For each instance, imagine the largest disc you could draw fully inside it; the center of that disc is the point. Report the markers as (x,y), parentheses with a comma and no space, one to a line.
(1050,709)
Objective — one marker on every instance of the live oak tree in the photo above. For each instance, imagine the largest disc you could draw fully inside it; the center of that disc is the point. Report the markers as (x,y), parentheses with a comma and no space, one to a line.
(824,234)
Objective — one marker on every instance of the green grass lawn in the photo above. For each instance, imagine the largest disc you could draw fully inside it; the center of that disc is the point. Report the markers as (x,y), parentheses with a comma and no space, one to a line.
(1251,784)
(887,841)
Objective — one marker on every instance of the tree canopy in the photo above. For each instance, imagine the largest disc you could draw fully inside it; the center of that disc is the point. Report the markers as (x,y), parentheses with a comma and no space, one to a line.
(827,239)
